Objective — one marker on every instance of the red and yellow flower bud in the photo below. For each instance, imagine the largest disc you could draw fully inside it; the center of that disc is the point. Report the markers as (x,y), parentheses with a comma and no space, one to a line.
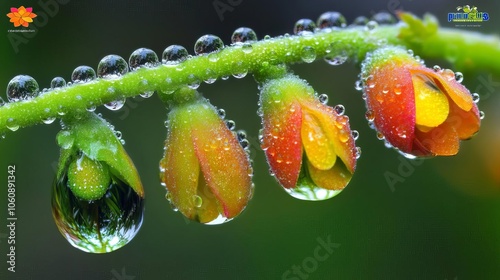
(205,170)
(419,111)
(308,145)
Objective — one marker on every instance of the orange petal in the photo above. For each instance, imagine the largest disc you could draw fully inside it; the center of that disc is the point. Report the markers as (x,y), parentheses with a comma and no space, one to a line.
(11,15)
(335,178)
(32,15)
(440,141)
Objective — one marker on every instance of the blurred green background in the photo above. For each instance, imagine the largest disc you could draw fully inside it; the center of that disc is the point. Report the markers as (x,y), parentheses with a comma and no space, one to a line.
(440,222)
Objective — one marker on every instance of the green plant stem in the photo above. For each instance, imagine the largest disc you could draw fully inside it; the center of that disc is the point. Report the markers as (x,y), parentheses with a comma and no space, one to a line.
(464,48)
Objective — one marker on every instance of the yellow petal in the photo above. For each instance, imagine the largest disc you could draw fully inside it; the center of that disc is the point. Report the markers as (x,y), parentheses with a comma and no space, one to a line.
(319,149)
(335,178)
(431,105)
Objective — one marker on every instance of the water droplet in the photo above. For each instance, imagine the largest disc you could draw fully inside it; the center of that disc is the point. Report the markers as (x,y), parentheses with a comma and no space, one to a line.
(448,74)
(207,44)
(247,48)
(410,52)
(337,59)
(304,24)
(147,94)
(12,124)
(221,113)
(197,201)
(83,74)
(331,19)
(57,82)
(116,104)
(230,124)
(174,54)
(475,97)
(323,98)
(91,108)
(241,135)
(112,67)
(118,134)
(22,87)
(122,141)
(380,136)
(142,58)
(371,25)
(267,37)
(308,54)
(384,18)
(370,115)
(436,68)
(193,82)
(355,134)
(358,85)
(101,225)
(459,77)
(339,109)
(358,152)
(2,102)
(481,115)
(243,34)
(211,76)
(48,120)
(360,21)
(244,144)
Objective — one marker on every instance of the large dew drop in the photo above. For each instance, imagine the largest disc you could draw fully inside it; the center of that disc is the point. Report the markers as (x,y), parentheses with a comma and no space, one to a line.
(302,25)
(174,54)
(243,34)
(207,44)
(112,67)
(331,19)
(97,226)
(83,74)
(22,87)
(384,18)
(142,58)
(57,82)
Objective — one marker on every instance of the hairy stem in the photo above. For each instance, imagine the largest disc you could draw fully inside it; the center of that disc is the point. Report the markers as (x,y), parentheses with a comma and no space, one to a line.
(467,49)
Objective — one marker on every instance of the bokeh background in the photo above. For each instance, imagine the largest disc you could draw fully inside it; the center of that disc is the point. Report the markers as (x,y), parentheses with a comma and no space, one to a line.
(441,222)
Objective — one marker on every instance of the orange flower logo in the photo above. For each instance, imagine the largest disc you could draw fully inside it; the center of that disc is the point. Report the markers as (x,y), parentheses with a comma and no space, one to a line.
(21,16)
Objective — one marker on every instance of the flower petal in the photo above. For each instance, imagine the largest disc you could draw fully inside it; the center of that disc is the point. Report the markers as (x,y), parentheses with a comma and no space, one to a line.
(319,148)
(442,140)
(466,123)
(431,105)
(22,10)
(14,10)
(29,10)
(335,178)
(27,19)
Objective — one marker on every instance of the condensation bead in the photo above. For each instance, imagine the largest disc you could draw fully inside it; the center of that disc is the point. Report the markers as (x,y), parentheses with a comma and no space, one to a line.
(174,54)
(221,113)
(355,134)
(230,124)
(304,24)
(112,67)
(384,18)
(22,87)
(360,21)
(331,19)
(339,109)
(308,54)
(475,97)
(207,44)
(116,104)
(371,25)
(57,82)
(323,98)
(83,74)
(243,34)
(142,57)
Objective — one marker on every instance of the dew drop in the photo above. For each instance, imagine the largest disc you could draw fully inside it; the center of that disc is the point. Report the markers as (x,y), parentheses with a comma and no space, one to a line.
(22,87)
(302,25)
(174,54)
(64,139)
(308,54)
(91,108)
(331,19)
(244,144)
(384,18)
(337,59)
(475,97)
(12,124)
(360,21)
(83,74)
(48,120)
(371,25)
(481,115)
(339,109)
(436,68)
(116,104)
(2,102)
(459,77)
(323,98)
(241,135)
(380,136)
(267,37)
(211,76)
(448,74)
(358,152)
(410,52)
(221,113)
(207,44)
(193,82)
(358,85)
(57,82)
(243,34)
(230,124)
(142,58)
(147,94)
(197,201)
(355,134)
(247,48)
(370,115)
(112,67)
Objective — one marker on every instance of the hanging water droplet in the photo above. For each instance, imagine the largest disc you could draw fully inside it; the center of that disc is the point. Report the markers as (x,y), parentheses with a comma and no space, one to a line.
(304,24)
(64,139)
(174,54)
(193,82)
(112,67)
(331,19)
(481,115)
(247,48)
(459,77)
(230,124)
(380,136)
(116,104)
(358,152)
(57,82)
(355,134)
(384,18)
(308,54)
(101,225)
(239,71)
(83,74)
(222,113)
(243,34)
(358,85)
(339,109)
(142,58)
(371,25)
(475,97)
(323,98)
(48,120)
(337,58)
(207,44)
(211,76)
(360,21)
(370,115)
(22,87)
(12,124)
(147,94)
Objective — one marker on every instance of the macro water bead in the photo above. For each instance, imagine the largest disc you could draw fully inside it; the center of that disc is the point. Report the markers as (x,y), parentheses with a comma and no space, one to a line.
(243,34)
(83,74)
(174,54)
(112,67)
(21,87)
(142,57)
(207,44)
